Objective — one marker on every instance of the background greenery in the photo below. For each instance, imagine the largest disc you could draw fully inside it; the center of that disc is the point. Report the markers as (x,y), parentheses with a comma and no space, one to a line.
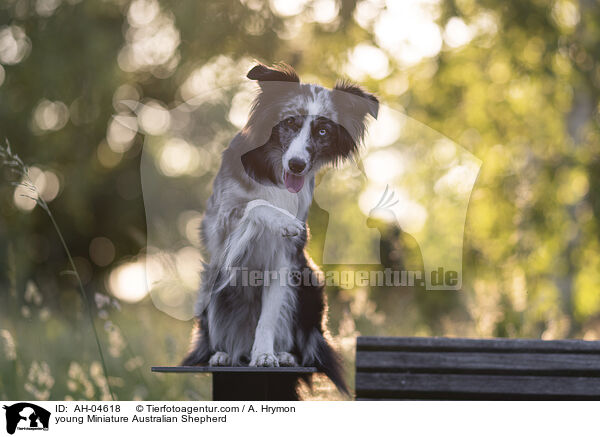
(514,82)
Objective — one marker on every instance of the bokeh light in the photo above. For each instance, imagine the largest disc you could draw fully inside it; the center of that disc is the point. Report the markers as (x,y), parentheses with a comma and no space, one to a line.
(152,40)
(14,45)
(102,251)
(154,118)
(177,158)
(367,60)
(121,132)
(45,8)
(50,116)
(128,281)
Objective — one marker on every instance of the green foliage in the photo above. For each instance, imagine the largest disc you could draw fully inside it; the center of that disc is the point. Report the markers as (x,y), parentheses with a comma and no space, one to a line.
(521,94)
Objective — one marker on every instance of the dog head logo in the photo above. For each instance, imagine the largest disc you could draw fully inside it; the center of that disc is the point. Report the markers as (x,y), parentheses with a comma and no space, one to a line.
(26,416)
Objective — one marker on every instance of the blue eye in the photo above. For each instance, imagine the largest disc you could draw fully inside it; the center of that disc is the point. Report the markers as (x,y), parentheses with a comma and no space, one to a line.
(322,132)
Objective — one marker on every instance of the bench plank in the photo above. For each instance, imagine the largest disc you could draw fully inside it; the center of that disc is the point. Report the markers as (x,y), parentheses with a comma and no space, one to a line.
(479,362)
(451,386)
(431,344)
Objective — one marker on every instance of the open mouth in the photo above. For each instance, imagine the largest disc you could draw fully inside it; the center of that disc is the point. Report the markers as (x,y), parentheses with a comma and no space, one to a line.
(293,183)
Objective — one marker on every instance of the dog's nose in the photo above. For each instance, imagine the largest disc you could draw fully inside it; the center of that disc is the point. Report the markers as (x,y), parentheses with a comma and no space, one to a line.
(297,165)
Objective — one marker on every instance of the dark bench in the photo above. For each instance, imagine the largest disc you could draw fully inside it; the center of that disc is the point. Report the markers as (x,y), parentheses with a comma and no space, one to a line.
(248,383)
(495,369)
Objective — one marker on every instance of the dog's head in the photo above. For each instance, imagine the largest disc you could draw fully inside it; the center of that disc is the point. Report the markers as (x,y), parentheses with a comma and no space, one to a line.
(305,126)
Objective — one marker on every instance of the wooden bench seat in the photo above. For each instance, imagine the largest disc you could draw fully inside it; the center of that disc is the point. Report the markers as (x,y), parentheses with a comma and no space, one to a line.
(473,369)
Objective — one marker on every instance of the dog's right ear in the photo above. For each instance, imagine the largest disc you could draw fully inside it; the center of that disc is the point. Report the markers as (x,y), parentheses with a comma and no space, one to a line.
(281,72)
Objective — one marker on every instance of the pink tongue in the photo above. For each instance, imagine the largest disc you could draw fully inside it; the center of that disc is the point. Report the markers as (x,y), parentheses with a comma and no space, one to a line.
(293,183)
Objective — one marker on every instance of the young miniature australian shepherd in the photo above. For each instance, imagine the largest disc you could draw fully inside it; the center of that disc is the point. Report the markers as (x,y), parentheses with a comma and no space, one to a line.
(255,221)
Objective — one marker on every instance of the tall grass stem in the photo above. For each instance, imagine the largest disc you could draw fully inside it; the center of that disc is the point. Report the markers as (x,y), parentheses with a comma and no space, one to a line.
(16,165)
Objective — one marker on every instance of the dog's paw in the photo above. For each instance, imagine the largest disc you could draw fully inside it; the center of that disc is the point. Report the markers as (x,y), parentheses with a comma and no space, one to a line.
(292,228)
(286,359)
(219,359)
(264,360)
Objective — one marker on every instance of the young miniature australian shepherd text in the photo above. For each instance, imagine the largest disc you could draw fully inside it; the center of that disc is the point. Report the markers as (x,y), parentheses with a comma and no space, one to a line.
(255,220)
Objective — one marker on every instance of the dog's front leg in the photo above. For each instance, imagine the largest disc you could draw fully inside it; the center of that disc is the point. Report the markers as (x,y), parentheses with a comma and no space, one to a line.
(263,353)
(259,216)
(278,220)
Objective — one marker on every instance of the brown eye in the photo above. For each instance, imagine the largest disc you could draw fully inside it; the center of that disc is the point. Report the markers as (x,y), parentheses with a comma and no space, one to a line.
(290,121)
(322,132)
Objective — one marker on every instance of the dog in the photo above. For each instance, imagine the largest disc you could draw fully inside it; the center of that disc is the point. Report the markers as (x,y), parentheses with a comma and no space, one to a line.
(255,220)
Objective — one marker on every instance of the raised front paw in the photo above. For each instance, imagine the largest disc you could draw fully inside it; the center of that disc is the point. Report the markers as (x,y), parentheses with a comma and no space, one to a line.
(292,228)
(219,359)
(286,359)
(264,360)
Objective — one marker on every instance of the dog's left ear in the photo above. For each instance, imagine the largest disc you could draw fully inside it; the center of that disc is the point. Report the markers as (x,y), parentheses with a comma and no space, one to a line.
(368,101)
(281,72)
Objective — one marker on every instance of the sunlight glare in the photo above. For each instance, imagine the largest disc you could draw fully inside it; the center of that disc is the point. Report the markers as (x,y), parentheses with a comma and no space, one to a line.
(407,30)
(51,116)
(366,59)
(121,132)
(14,45)
(178,158)
(458,180)
(457,33)
(324,11)
(286,8)
(154,118)
(382,166)
(128,282)
(386,130)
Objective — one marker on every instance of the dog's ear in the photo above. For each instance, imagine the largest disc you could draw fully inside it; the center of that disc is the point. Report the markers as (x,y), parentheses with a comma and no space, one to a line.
(346,145)
(371,104)
(281,72)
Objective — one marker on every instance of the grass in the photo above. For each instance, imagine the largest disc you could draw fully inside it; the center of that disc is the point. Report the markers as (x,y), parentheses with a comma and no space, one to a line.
(18,167)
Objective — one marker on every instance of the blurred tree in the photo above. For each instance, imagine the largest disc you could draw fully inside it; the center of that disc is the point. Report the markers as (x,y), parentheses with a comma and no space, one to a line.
(516,83)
